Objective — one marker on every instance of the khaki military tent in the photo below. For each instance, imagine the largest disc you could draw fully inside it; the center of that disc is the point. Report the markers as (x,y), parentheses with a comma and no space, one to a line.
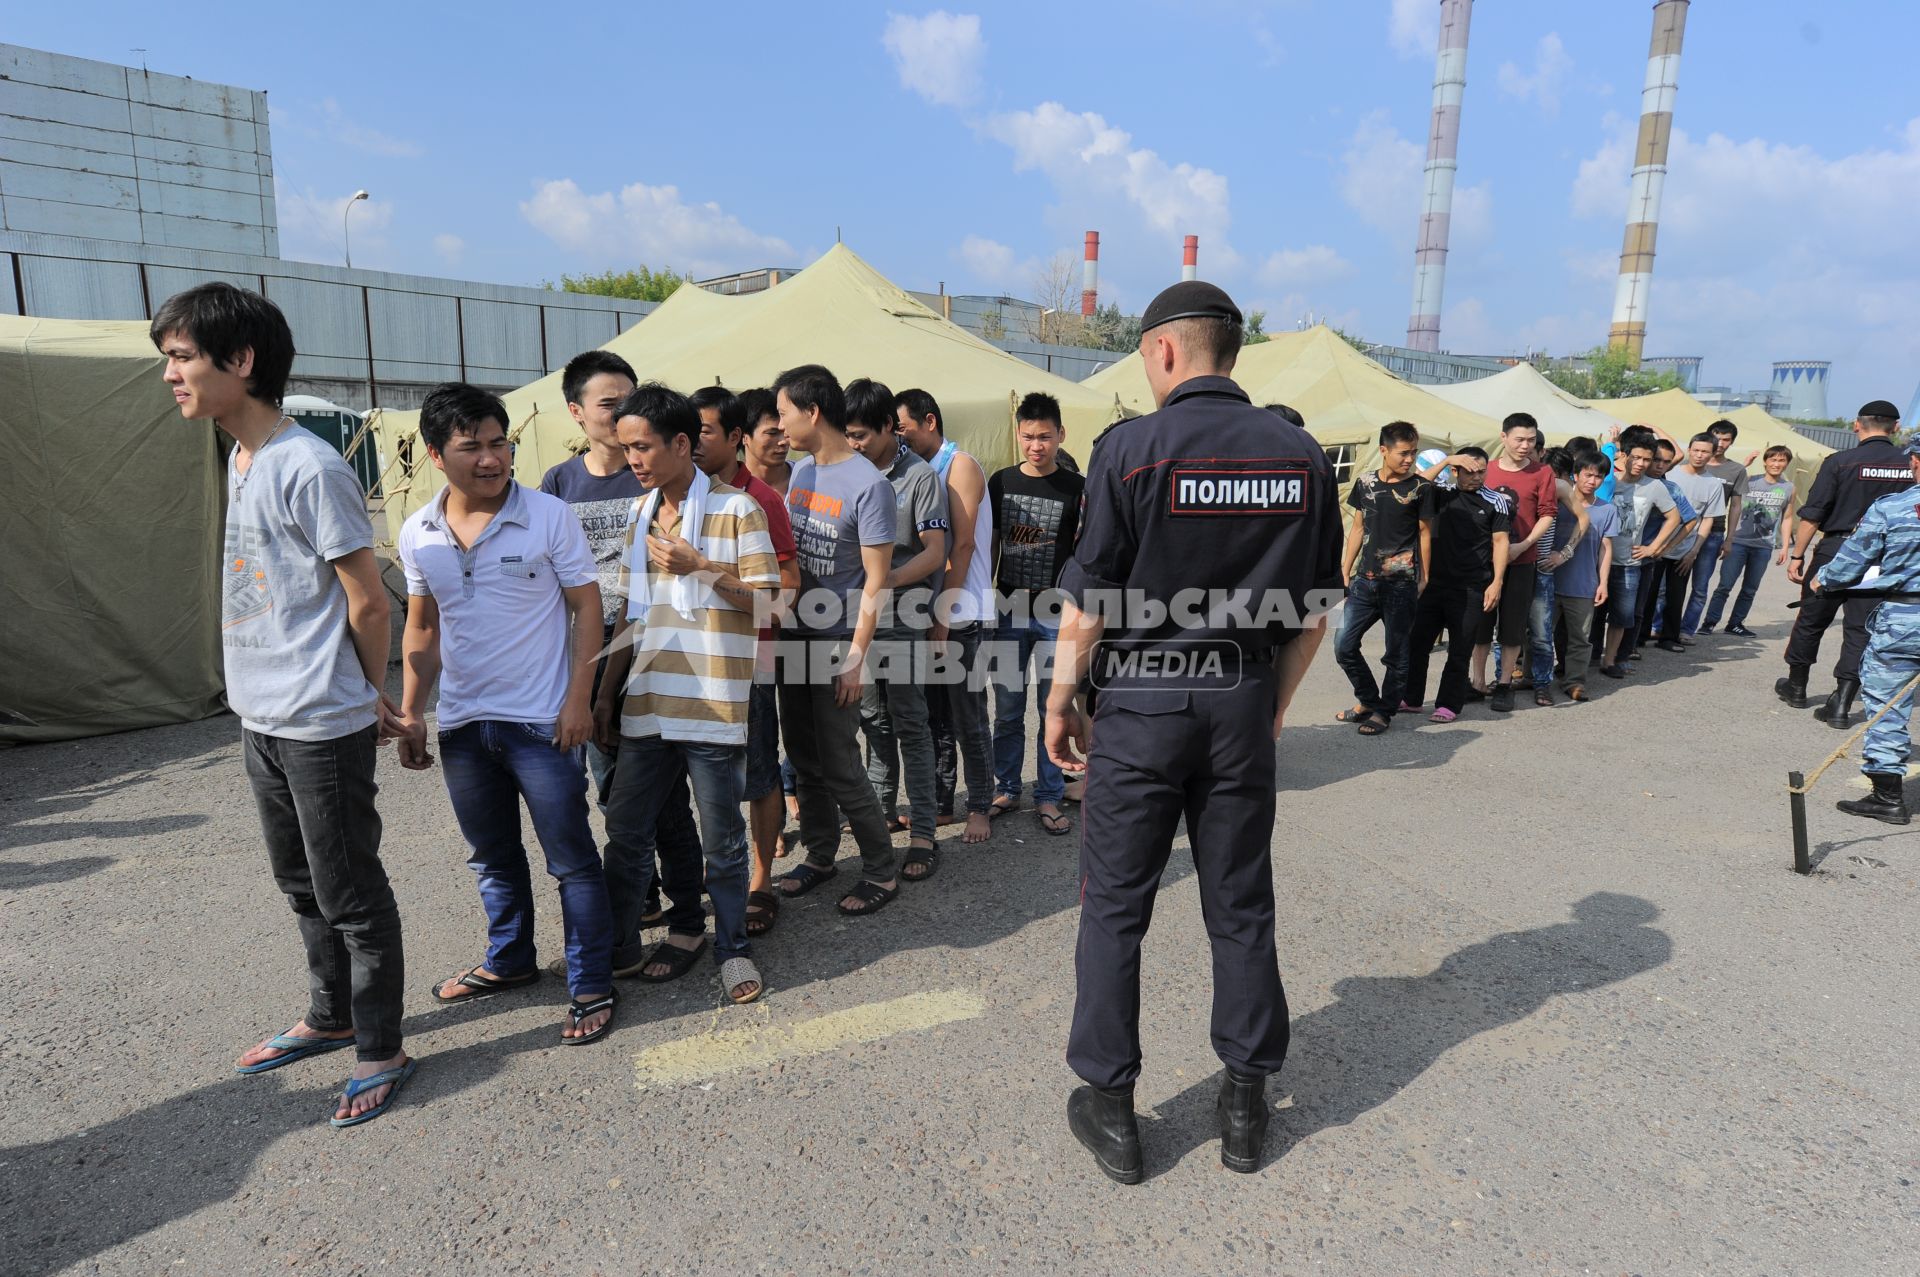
(110,511)
(1682,416)
(1521,388)
(1344,396)
(839,312)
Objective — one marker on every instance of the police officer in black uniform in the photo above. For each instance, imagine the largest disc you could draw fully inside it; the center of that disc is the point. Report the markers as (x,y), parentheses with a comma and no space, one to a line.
(1847,484)
(1206,503)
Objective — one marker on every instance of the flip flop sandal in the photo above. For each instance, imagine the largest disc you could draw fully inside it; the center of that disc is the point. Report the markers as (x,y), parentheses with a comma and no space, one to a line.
(296,1048)
(805,878)
(735,972)
(895,825)
(483,986)
(1442,716)
(1373,727)
(1354,715)
(768,903)
(996,810)
(872,896)
(927,856)
(578,1011)
(394,1078)
(679,961)
(1056,826)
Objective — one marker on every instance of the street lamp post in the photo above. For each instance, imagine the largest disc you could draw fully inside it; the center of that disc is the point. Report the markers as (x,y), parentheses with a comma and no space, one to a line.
(345,235)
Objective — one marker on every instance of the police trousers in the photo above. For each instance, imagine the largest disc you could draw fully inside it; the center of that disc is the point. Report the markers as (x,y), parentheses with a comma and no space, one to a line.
(1158,755)
(1817,612)
(1892,658)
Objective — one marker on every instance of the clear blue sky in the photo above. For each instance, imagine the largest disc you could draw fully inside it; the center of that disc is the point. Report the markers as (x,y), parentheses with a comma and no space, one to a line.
(971,144)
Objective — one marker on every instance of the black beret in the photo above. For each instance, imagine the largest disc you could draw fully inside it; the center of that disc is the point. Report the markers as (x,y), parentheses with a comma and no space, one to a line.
(1878,408)
(1189,299)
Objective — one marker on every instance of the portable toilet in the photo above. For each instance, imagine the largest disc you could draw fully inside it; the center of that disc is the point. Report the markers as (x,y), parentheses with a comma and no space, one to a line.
(338,426)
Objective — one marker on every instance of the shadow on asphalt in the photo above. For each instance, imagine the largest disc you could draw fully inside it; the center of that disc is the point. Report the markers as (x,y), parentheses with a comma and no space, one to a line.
(1324,754)
(14,875)
(1381,1032)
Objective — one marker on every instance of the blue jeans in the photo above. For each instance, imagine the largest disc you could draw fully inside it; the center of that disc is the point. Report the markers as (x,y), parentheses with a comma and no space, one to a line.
(646,780)
(1743,560)
(1010,718)
(1540,628)
(1702,582)
(1391,600)
(490,766)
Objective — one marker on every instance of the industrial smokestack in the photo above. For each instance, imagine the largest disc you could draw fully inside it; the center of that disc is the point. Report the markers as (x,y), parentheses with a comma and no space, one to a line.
(1190,258)
(1649,177)
(1443,158)
(1090,276)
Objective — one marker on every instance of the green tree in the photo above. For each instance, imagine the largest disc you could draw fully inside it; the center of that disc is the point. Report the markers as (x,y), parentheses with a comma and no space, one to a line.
(1108,329)
(1255,330)
(1607,372)
(1358,342)
(639,284)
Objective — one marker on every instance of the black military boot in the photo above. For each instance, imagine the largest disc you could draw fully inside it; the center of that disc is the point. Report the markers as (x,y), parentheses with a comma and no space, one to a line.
(1243,1113)
(1103,1121)
(1838,711)
(1887,802)
(1793,688)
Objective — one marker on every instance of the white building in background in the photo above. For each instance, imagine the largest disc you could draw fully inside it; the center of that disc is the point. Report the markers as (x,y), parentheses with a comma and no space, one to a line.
(1801,387)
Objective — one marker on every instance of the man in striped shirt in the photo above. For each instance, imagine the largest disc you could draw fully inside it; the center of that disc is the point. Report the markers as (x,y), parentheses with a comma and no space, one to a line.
(697,566)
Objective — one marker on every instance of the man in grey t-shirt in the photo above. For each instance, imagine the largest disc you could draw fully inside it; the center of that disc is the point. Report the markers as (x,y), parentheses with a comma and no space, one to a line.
(1720,532)
(304,633)
(1708,496)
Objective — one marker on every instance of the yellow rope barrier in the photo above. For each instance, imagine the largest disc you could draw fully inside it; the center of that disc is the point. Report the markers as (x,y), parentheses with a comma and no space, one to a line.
(1841,752)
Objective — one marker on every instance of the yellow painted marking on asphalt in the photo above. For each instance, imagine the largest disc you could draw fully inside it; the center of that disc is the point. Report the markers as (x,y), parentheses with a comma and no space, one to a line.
(709,1055)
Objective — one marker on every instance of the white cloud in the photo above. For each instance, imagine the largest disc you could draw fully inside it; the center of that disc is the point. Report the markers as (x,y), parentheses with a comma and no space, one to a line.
(650,225)
(937,56)
(1084,155)
(1381,180)
(450,247)
(311,228)
(1302,267)
(336,125)
(988,261)
(1545,83)
(1413,27)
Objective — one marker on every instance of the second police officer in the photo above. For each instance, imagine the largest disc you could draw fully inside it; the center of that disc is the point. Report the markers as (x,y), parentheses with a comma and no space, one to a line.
(1847,484)
(1206,498)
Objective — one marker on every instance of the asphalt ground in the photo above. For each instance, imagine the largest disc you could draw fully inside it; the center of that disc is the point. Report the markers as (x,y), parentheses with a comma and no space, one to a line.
(1559,1005)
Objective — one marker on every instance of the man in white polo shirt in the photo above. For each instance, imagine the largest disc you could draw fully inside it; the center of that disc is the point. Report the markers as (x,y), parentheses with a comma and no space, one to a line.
(504,609)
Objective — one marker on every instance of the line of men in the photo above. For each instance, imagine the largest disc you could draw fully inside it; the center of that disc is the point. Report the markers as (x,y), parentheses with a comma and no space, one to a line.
(1553,563)
(645,627)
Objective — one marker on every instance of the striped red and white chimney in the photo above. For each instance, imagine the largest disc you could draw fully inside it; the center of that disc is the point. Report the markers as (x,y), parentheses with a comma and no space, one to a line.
(1190,258)
(1629,330)
(1443,159)
(1090,276)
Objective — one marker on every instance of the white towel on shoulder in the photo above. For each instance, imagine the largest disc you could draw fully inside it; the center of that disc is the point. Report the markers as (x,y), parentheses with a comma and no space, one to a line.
(685,594)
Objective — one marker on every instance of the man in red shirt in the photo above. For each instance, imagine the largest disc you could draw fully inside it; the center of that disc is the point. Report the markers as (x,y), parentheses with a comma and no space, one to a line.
(723,428)
(1535,496)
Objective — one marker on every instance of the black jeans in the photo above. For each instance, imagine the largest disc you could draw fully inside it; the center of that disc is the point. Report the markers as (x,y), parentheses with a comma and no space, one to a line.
(957,717)
(1456,609)
(323,844)
(1817,611)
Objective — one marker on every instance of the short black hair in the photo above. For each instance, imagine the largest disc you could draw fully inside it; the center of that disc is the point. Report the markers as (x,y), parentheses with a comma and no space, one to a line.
(711,397)
(1517,420)
(1286,413)
(1399,432)
(587,365)
(812,386)
(222,320)
(869,403)
(1472,450)
(1638,437)
(1666,445)
(1560,461)
(753,407)
(1039,407)
(455,407)
(1705,436)
(1217,339)
(1590,459)
(1581,443)
(1882,425)
(1724,427)
(920,405)
(666,411)
(1778,450)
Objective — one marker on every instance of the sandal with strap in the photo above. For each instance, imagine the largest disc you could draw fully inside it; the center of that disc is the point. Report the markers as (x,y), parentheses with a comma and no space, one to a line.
(393,1079)
(578,1011)
(805,878)
(872,896)
(768,905)
(924,859)
(294,1048)
(735,972)
(483,986)
(679,961)
(1374,726)
(1358,714)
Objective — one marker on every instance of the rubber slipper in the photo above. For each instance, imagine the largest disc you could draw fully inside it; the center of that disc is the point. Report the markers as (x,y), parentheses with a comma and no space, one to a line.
(483,986)
(768,903)
(394,1078)
(996,810)
(1056,825)
(1442,716)
(805,878)
(1355,715)
(928,856)
(679,961)
(296,1048)
(872,895)
(1373,727)
(735,972)
(578,1011)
